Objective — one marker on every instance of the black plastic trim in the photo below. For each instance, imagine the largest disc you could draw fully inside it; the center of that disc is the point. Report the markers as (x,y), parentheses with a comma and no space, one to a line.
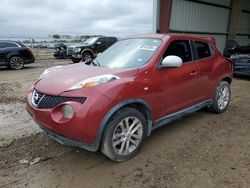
(66,141)
(172,117)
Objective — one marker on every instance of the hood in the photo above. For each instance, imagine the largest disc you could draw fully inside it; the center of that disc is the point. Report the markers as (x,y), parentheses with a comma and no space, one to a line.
(62,78)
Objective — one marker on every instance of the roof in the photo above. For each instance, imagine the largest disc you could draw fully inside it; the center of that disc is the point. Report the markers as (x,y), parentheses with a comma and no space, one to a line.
(149,35)
(176,35)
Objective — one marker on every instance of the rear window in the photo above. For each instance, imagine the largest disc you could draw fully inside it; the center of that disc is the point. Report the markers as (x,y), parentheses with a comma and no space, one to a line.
(203,49)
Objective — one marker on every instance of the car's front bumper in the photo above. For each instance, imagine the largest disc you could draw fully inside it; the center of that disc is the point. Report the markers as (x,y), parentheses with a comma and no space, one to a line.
(66,141)
(82,129)
(27,61)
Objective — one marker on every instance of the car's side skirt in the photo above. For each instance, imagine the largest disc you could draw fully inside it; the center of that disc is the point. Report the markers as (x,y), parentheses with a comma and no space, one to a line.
(3,63)
(177,115)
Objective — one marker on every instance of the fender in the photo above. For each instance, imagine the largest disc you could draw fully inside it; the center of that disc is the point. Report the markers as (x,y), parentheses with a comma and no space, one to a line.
(88,50)
(114,109)
(12,54)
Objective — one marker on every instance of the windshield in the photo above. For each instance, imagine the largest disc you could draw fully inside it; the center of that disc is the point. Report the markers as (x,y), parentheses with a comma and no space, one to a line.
(129,53)
(90,40)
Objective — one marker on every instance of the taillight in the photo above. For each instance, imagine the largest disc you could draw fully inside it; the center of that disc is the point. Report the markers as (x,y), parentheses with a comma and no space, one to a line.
(30,50)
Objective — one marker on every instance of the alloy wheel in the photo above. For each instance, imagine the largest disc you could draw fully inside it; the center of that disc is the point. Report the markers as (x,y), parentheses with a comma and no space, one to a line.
(223,97)
(87,58)
(127,135)
(16,63)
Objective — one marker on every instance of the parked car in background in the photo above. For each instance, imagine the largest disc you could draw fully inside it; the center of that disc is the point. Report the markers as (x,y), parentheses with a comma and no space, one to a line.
(60,51)
(51,46)
(90,48)
(240,56)
(136,86)
(241,64)
(232,47)
(15,54)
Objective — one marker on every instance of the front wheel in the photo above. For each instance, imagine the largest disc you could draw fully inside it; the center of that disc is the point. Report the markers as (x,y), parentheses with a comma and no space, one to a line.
(124,135)
(221,99)
(87,57)
(75,60)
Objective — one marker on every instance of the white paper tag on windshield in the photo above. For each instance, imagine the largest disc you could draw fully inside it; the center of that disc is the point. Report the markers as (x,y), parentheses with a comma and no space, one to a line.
(147,47)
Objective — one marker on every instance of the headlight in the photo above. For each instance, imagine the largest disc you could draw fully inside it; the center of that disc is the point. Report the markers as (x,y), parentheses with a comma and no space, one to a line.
(49,70)
(97,80)
(77,50)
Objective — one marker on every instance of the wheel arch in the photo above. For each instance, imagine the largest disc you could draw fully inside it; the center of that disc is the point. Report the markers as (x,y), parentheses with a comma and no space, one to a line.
(227,79)
(10,55)
(88,50)
(139,104)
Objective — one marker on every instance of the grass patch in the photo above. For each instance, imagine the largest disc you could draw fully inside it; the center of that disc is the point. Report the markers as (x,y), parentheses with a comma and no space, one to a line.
(44,55)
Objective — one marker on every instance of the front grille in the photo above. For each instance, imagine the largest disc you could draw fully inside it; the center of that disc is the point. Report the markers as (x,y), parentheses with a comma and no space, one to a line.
(40,100)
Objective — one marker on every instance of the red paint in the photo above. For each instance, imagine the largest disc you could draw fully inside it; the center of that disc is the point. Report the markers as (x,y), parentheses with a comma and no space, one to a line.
(168,90)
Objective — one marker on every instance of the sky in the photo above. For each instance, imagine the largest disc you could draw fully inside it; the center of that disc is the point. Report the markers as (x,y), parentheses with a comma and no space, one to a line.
(40,18)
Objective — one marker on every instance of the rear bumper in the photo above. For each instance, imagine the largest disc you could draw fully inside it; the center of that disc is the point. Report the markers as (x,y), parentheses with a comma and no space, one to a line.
(27,61)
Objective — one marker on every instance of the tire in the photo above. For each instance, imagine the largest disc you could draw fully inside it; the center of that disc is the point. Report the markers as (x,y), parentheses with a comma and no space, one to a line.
(87,57)
(75,60)
(127,143)
(221,99)
(16,63)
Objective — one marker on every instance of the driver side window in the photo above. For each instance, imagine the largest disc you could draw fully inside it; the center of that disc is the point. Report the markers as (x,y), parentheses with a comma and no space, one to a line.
(180,48)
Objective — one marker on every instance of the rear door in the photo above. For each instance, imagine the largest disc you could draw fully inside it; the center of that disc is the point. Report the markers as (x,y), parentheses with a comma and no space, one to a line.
(101,44)
(204,57)
(111,41)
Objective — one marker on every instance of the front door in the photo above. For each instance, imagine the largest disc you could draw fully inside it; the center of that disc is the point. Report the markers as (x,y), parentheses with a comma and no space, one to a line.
(179,86)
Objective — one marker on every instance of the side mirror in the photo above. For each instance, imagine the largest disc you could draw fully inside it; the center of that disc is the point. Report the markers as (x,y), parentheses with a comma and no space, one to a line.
(171,61)
(98,43)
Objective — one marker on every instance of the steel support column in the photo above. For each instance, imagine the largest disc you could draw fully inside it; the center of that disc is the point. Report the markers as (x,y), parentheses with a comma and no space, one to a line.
(165,15)
(235,18)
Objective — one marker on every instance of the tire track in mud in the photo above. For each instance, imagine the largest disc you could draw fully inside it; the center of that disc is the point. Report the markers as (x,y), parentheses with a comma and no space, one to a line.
(10,93)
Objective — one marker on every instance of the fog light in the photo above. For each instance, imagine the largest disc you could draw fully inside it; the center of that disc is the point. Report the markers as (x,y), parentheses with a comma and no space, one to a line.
(67,111)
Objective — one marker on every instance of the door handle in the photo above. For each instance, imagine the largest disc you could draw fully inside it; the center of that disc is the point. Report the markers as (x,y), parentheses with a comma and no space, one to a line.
(193,73)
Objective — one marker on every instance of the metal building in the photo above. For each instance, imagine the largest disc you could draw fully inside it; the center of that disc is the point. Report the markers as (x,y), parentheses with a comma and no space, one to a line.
(221,19)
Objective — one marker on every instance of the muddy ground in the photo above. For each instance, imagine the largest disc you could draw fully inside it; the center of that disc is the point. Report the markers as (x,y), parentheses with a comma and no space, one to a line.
(201,150)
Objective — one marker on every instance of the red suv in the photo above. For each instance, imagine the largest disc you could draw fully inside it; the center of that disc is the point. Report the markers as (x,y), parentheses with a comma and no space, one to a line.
(137,85)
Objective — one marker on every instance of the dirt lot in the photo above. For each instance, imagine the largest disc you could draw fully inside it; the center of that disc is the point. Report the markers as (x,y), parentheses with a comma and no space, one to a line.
(201,150)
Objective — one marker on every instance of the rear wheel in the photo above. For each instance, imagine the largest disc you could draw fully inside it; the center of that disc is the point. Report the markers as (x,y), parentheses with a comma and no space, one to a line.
(222,98)
(124,135)
(16,63)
